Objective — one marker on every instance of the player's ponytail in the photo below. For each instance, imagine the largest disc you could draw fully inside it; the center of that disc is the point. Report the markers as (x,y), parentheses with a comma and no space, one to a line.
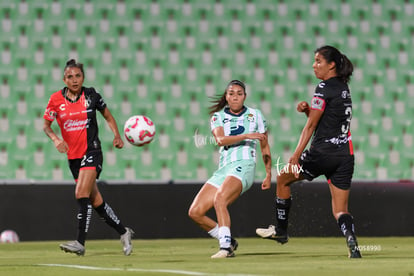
(72,63)
(343,65)
(219,102)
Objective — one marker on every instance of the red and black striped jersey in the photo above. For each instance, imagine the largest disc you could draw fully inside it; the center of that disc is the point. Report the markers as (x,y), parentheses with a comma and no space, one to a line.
(333,135)
(77,119)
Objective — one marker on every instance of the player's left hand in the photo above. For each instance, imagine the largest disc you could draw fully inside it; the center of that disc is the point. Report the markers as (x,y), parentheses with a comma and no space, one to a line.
(302,107)
(266,182)
(294,165)
(118,143)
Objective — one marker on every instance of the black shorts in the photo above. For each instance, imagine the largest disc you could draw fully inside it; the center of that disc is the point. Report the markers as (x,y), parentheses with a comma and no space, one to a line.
(92,159)
(338,170)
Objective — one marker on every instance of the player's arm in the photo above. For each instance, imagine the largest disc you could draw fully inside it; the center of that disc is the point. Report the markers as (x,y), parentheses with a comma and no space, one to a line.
(307,132)
(223,140)
(267,160)
(60,144)
(117,142)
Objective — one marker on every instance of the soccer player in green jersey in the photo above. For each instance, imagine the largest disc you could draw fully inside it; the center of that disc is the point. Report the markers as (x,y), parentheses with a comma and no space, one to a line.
(236,129)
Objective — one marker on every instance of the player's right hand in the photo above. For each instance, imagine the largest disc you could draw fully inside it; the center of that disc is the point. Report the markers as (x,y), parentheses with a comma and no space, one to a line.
(61,146)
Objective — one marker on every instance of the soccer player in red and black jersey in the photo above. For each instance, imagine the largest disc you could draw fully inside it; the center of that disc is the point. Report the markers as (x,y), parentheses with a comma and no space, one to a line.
(330,152)
(74,108)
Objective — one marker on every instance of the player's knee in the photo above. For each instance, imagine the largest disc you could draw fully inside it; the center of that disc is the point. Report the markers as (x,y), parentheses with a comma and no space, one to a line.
(194,213)
(220,201)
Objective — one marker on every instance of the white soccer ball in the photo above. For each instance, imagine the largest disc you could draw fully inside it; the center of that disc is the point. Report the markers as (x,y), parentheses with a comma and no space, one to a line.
(139,130)
(9,236)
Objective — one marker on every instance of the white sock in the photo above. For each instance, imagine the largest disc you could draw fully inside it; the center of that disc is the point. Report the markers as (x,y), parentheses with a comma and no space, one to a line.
(214,232)
(224,237)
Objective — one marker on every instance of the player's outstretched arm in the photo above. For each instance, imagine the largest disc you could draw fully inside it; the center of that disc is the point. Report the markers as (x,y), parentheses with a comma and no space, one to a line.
(117,142)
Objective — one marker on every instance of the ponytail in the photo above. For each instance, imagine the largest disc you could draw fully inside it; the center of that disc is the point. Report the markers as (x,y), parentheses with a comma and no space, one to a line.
(219,103)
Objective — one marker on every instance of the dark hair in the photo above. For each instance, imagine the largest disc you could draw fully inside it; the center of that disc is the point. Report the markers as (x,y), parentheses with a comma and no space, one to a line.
(219,102)
(72,63)
(343,65)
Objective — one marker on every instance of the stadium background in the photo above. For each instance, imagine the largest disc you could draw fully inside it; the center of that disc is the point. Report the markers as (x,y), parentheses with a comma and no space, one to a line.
(165,59)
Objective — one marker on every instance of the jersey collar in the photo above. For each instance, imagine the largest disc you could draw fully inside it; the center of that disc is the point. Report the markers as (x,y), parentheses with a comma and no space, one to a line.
(65,89)
(227,111)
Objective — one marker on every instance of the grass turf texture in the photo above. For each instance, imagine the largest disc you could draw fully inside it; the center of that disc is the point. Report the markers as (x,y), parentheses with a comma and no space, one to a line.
(255,256)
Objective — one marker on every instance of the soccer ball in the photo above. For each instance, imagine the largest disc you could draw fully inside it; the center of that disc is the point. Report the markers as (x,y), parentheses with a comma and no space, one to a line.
(139,130)
(9,236)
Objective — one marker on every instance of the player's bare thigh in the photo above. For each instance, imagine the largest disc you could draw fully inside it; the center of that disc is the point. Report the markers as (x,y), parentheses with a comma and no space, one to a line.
(203,201)
(85,183)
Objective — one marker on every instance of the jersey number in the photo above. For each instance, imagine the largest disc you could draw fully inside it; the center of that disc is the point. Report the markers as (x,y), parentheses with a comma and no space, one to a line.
(345,127)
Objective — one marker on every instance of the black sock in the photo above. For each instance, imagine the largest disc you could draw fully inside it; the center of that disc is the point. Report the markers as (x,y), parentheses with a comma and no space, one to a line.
(84,218)
(346,224)
(108,215)
(282,214)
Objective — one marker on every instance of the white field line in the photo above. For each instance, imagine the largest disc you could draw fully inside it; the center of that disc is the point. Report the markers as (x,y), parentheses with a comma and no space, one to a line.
(171,271)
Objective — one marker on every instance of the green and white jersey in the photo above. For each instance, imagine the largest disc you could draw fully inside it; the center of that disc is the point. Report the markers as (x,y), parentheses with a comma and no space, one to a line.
(250,120)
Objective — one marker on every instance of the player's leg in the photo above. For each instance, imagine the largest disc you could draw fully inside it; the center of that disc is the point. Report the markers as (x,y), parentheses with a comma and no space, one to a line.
(108,215)
(283,201)
(228,192)
(203,202)
(83,190)
(105,211)
(344,218)
(84,183)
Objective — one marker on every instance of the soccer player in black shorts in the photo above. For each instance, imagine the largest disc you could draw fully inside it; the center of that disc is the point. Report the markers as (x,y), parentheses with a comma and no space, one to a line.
(330,152)
(74,108)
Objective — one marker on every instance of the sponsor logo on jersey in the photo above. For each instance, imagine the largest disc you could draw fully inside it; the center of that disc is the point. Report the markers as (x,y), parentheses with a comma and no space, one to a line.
(321,85)
(236,130)
(228,120)
(318,103)
(74,125)
(337,140)
(62,107)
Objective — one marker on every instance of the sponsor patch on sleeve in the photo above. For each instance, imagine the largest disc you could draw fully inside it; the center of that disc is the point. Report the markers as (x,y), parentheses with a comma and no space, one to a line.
(318,103)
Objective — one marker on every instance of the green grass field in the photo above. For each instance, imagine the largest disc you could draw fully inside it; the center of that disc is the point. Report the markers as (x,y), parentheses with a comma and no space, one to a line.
(255,256)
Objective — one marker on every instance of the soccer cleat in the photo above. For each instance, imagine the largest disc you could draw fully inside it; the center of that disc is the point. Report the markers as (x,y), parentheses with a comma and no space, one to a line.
(234,244)
(270,233)
(224,253)
(353,248)
(126,241)
(73,247)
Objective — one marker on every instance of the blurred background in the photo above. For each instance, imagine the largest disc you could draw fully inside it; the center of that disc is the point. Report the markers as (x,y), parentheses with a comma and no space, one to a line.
(165,59)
